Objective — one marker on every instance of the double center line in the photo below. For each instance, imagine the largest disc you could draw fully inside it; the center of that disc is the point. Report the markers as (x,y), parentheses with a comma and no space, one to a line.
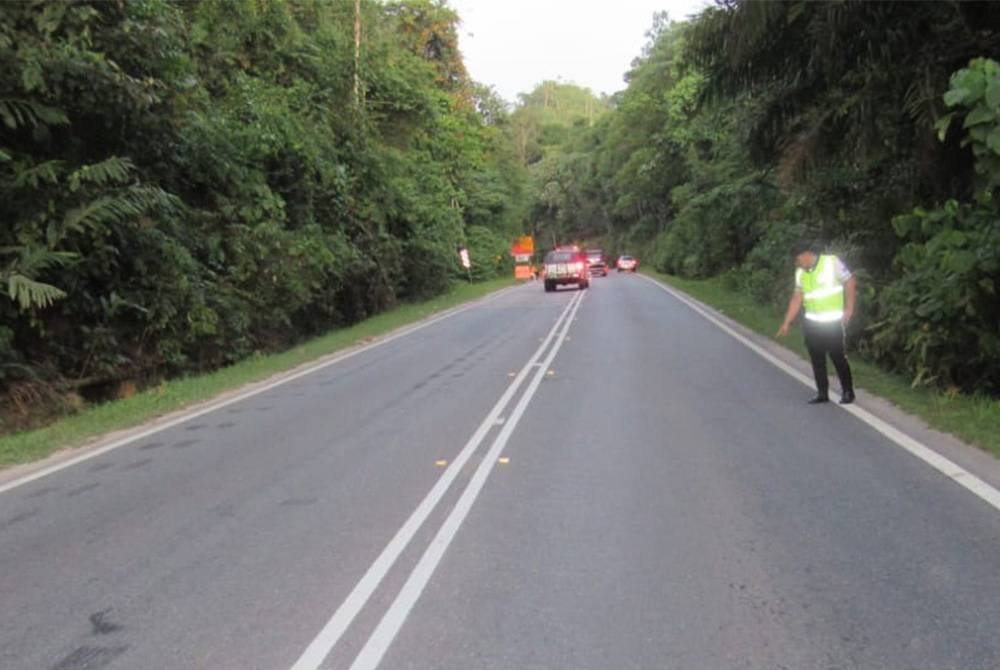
(380,640)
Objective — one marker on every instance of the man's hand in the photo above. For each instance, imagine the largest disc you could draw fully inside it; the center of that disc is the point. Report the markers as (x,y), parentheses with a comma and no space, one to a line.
(794,304)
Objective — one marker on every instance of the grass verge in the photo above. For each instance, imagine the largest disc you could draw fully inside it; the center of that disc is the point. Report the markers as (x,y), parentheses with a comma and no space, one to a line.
(27,446)
(974,419)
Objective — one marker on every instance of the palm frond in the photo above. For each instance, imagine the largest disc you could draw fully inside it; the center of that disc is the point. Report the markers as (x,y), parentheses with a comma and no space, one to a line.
(31,260)
(119,208)
(18,113)
(43,173)
(19,275)
(106,210)
(114,170)
(29,293)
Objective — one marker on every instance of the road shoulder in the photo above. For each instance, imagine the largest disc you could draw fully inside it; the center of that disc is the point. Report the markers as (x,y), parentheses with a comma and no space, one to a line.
(976,461)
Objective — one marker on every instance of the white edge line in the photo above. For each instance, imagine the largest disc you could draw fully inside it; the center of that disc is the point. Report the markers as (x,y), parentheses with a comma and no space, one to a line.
(330,634)
(945,466)
(381,639)
(94,453)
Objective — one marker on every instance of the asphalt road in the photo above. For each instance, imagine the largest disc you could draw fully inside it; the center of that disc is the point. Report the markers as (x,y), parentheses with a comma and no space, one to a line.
(587,479)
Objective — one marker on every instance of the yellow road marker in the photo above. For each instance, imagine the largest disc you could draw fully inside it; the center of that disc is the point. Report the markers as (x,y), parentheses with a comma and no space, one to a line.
(503,460)
(551,373)
(441,463)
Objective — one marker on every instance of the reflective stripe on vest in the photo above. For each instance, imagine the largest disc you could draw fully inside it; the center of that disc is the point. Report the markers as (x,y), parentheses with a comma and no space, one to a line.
(822,292)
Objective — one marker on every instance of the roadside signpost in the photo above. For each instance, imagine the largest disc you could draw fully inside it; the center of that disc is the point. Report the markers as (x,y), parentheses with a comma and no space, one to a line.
(522,250)
(463,255)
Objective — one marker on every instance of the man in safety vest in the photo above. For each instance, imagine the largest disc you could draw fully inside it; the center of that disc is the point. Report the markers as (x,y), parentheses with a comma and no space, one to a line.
(827,289)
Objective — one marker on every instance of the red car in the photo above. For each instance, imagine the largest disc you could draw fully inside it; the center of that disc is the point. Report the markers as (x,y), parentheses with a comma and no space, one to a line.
(565,266)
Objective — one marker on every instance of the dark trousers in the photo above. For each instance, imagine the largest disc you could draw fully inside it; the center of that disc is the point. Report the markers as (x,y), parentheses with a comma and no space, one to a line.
(824,339)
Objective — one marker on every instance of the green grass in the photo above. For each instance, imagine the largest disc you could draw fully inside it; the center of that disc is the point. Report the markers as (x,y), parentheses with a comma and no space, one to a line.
(974,419)
(176,394)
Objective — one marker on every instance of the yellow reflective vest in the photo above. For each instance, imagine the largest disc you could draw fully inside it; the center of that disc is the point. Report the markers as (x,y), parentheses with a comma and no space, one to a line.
(822,290)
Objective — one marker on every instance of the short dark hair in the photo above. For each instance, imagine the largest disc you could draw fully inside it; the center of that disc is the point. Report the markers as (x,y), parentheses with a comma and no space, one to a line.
(802,246)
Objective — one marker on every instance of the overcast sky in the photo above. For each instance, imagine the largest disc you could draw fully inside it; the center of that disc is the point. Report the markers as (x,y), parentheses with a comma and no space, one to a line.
(513,45)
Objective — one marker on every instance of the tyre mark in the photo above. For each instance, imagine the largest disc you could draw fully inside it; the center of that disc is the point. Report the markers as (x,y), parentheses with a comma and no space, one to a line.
(184,444)
(82,489)
(101,625)
(90,658)
(17,518)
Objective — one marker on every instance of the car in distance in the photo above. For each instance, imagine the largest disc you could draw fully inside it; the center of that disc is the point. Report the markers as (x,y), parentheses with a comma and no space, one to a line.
(627,264)
(566,266)
(598,263)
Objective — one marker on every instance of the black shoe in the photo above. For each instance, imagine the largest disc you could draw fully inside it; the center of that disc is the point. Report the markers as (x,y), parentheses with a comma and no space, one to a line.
(847,398)
(821,398)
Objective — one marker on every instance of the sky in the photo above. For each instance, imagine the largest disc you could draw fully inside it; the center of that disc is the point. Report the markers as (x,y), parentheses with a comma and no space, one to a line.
(513,45)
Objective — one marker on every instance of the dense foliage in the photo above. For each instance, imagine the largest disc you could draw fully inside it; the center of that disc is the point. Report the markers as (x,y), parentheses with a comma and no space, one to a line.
(185,184)
(870,127)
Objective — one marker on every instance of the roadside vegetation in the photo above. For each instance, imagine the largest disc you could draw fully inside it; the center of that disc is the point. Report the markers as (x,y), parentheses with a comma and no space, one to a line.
(182,392)
(870,128)
(186,185)
(971,417)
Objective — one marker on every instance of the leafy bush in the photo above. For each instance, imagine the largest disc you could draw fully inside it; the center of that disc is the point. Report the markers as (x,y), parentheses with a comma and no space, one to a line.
(715,230)
(940,317)
(940,320)
(185,184)
(427,268)
(489,253)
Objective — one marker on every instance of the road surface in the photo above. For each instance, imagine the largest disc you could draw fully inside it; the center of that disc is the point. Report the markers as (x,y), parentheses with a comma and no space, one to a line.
(596,479)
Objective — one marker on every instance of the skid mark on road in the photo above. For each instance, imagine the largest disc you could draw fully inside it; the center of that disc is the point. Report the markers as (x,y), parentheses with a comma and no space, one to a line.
(17,518)
(82,489)
(100,467)
(100,624)
(298,502)
(184,444)
(90,658)
(266,387)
